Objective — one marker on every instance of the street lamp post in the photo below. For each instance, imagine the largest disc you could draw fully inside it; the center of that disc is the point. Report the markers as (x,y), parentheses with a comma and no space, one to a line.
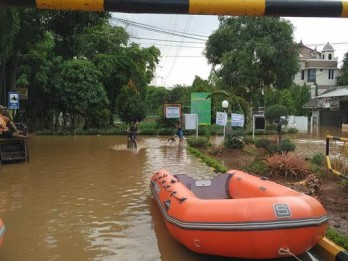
(224,105)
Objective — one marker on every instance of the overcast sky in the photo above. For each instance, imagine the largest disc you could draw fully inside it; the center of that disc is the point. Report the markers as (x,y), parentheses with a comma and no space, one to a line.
(181,39)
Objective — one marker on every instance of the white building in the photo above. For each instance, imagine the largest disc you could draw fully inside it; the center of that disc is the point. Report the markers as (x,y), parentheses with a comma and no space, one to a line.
(318,69)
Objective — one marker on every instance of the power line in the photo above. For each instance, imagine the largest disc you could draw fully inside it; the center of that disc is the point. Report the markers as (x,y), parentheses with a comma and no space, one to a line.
(161,30)
(157,44)
(164,40)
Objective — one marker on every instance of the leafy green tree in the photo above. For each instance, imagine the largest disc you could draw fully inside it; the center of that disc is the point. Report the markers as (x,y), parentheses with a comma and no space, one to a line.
(253,53)
(35,73)
(300,95)
(20,28)
(200,85)
(142,64)
(293,98)
(286,99)
(78,89)
(180,94)
(154,99)
(101,39)
(69,25)
(131,105)
(342,80)
(277,114)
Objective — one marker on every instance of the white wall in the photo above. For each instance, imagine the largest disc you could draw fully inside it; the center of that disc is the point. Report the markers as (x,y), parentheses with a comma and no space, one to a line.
(298,122)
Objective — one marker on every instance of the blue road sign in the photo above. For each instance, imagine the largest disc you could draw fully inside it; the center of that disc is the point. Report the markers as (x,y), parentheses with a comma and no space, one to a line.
(13,100)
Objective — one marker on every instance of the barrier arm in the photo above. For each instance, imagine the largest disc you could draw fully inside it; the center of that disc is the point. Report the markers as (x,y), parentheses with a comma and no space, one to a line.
(284,8)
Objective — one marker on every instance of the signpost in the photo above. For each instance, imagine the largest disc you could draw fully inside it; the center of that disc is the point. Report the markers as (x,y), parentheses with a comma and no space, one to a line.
(191,122)
(237,120)
(259,123)
(172,110)
(13,100)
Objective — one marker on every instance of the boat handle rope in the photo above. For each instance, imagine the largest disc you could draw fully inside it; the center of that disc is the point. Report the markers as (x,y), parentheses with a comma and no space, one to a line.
(197,243)
(286,251)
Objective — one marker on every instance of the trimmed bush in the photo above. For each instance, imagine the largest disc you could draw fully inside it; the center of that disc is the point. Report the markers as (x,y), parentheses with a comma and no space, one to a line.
(318,159)
(200,142)
(262,143)
(258,167)
(234,140)
(208,160)
(286,146)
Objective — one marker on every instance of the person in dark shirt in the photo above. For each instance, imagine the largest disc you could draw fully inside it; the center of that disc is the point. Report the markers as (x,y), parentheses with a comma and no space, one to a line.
(133,130)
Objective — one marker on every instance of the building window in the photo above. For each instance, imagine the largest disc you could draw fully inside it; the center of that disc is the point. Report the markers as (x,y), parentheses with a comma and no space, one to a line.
(323,56)
(330,56)
(311,75)
(302,75)
(331,74)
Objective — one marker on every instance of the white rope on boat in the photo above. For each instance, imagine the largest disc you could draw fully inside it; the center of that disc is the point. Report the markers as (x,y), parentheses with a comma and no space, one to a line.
(287,251)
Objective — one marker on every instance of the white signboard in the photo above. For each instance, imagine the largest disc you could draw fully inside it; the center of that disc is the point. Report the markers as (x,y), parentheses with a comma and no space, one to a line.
(221,118)
(237,120)
(191,121)
(172,112)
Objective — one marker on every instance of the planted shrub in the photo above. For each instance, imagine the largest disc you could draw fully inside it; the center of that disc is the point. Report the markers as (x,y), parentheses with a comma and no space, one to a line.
(200,142)
(292,130)
(286,146)
(273,148)
(318,159)
(215,149)
(262,143)
(287,165)
(208,160)
(248,140)
(258,167)
(234,140)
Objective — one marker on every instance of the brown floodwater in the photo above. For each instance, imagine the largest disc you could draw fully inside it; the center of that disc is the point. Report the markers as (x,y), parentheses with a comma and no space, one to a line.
(88,198)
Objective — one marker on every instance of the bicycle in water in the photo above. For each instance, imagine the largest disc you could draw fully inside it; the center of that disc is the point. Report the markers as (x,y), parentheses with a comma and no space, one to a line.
(132,135)
(132,141)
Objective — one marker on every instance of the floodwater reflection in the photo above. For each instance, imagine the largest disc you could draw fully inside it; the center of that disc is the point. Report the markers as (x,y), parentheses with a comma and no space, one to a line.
(88,198)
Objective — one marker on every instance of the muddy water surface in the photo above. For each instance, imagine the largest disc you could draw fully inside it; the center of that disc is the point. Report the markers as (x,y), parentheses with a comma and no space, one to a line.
(88,198)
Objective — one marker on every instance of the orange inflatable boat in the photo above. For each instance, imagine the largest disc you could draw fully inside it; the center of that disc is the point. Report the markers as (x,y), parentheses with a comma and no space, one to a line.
(2,231)
(239,215)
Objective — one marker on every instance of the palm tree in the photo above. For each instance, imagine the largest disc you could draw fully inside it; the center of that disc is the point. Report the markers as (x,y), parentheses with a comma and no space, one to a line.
(234,100)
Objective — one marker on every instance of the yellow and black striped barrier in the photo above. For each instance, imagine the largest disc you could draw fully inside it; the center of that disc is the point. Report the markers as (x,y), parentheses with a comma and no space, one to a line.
(330,251)
(328,162)
(291,8)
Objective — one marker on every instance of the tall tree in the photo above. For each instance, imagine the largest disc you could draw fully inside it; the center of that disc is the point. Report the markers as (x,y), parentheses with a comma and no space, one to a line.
(253,52)
(67,27)
(343,78)
(78,88)
(107,46)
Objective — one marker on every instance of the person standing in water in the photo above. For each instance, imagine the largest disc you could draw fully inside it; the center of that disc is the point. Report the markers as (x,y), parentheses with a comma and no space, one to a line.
(179,132)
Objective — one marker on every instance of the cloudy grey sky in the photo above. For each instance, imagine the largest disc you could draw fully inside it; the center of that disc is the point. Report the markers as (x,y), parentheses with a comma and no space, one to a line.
(181,39)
